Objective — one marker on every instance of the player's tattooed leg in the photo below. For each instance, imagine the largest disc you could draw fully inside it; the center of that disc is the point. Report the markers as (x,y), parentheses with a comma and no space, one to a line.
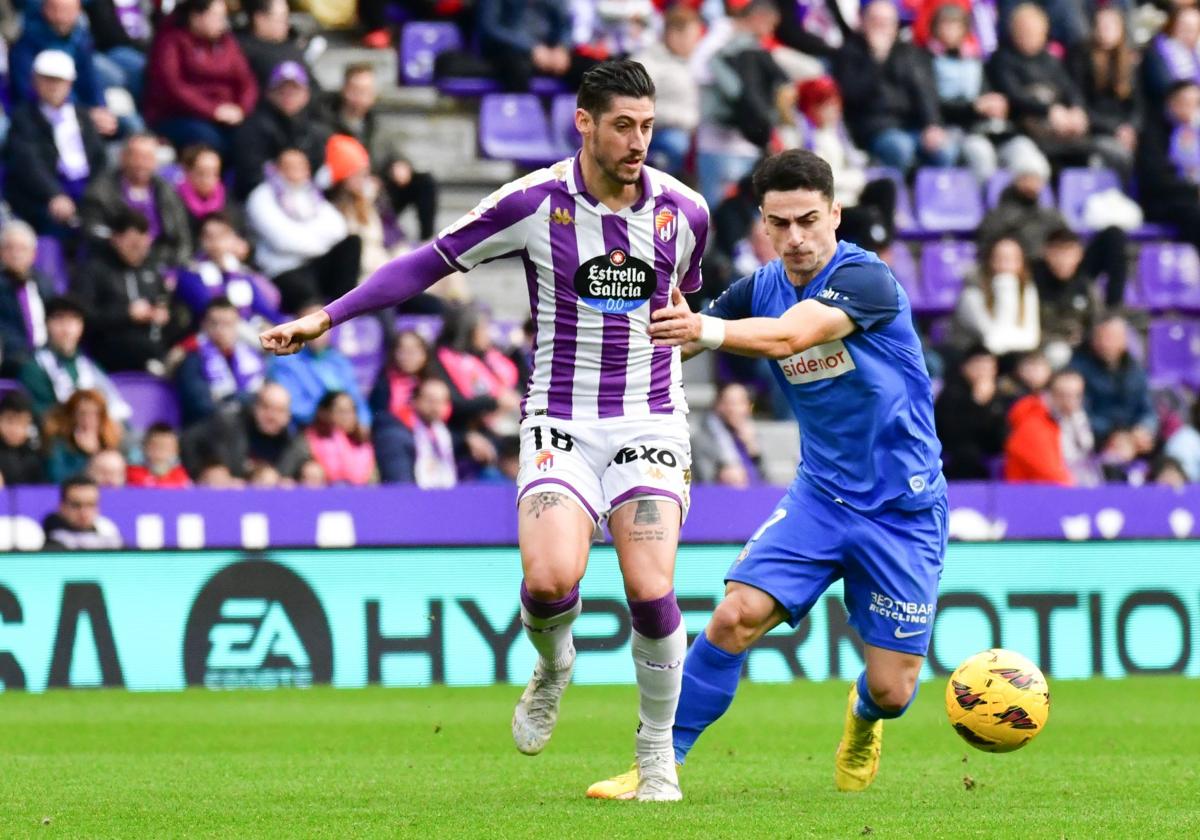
(647,523)
(537,504)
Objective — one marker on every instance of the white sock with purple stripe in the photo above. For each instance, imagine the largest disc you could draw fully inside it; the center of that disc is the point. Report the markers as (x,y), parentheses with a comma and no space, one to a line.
(659,645)
(548,627)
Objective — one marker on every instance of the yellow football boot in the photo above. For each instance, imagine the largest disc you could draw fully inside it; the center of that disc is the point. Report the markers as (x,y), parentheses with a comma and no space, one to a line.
(857,759)
(623,786)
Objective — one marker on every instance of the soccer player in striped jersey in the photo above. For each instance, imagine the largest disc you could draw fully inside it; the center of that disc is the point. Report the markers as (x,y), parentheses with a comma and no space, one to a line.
(604,241)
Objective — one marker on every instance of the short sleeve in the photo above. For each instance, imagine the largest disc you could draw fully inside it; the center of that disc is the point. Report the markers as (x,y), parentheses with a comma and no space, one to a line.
(697,219)
(864,291)
(735,302)
(495,227)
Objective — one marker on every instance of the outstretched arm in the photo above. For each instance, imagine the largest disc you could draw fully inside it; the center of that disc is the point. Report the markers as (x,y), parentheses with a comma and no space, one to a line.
(805,325)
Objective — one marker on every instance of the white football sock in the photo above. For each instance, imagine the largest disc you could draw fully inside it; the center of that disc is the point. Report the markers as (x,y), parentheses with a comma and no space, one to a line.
(659,667)
(551,637)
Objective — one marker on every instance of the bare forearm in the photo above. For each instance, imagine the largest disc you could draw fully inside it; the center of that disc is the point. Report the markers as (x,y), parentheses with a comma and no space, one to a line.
(772,338)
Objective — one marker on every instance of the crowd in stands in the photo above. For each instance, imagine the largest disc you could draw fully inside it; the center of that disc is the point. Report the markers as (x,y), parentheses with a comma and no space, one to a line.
(195,184)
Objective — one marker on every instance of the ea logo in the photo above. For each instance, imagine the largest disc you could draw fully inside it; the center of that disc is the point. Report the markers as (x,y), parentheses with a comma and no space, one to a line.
(617,257)
(257,624)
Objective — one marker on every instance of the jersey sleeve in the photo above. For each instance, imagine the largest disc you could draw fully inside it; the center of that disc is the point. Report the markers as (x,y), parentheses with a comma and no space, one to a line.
(697,218)
(735,302)
(864,291)
(494,228)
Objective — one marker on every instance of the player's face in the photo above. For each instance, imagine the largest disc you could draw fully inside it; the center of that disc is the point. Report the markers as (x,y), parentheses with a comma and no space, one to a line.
(802,226)
(619,138)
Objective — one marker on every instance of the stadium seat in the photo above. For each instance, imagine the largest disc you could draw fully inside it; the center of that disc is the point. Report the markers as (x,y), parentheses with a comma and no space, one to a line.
(426,326)
(51,261)
(1076,185)
(944,265)
(362,341)
(513,126)
(562,125)
(904,268)
(948,200)
(7,385)
(906,222)
(420,44)
(153,400)
(1001,179)
(1170,276)
(1173,347)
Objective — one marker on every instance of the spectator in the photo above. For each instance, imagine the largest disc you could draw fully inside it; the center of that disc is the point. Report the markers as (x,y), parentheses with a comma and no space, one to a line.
(77,524)
(677,110)
(970,417)
(303,243)
(266,42)
(1043,101)
(354,192)
(52,149)
(20,462)
(999,302)
(162,467)
(75,431)
(1051,441)
(1066,294)
(433,453)
(1030,375)
(283,120)
(1019,214)
(728,452)
(260,433)
(199,85)
(58,370)
(391,402)
(352,111)
(1104,68)
(747,97)
(136,186)
(523,37)
(1174,54)
(59,25)
(130,322)
(218,271)
(1183,446)
(203,192)
(1167,472)
(107,468)
(1168,163)
(223,371)
(890,94)
(317,368)
(482,380)
(264,476)
(1116,396)
(122,30)
(312,476)
(339,443)
(24,292)
(372,16)
(216,476)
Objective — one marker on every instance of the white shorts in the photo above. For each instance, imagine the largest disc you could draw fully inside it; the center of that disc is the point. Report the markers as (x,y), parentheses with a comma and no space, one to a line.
(602,464)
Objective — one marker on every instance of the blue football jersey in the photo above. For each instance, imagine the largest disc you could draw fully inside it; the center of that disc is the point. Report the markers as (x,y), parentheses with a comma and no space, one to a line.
(864,402)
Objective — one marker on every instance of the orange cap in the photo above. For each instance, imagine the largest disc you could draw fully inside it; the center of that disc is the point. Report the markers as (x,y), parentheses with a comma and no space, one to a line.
(345,156)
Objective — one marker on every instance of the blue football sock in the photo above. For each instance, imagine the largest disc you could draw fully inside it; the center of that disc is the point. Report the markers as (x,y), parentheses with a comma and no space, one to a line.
(867,709)
(710,678)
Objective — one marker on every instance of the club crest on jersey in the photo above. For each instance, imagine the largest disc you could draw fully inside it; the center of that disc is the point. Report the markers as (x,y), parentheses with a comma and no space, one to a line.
(665,224)
(615,282)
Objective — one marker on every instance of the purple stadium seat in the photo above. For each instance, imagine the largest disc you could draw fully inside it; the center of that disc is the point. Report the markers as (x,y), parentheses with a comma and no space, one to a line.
(420,45)
(1170,276)
(906,222)
(562,125)
(1001,179)
(362,341)
(153,400)
(426,326)
(7,385)
(51,261)
(547,85)
(948,200)
(1174,353)
(904,269)
(944,264)
(1076,185)
(467,86)
(513,126)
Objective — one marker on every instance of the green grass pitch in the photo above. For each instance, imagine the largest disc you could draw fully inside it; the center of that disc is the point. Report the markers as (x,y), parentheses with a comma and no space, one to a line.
(1118,759)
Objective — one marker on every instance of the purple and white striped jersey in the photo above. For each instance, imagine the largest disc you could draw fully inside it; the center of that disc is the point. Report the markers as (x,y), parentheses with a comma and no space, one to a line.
(594,276)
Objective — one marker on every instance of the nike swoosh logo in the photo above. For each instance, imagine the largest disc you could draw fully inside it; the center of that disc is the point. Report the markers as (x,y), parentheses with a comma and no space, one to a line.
(900,634)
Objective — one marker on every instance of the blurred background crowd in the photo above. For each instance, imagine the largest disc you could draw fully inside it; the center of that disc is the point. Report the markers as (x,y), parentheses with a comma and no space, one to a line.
(176,177)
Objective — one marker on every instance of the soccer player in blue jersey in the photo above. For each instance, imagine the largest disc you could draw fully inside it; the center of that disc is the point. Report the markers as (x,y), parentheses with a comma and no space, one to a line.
(869,501)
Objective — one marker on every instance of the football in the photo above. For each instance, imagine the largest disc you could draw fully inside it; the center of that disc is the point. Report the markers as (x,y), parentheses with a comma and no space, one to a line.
(997,700)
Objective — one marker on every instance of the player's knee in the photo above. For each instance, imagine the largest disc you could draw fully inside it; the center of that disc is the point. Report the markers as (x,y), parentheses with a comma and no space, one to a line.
(548,583)
(732,627)
(894,693)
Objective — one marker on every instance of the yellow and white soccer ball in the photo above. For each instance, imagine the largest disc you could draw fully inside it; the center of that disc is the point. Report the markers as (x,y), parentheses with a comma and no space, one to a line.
(997,700)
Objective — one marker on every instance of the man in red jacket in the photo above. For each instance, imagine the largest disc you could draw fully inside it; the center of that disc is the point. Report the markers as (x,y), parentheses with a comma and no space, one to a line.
(1051,441)
(199,86)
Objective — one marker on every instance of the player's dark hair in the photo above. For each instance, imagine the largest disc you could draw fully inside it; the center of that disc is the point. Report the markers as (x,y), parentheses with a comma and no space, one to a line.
(73,482)
(624,77)
(795,169)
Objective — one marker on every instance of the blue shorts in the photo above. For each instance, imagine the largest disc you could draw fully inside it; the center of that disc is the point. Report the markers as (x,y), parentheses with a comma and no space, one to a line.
(891,562)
